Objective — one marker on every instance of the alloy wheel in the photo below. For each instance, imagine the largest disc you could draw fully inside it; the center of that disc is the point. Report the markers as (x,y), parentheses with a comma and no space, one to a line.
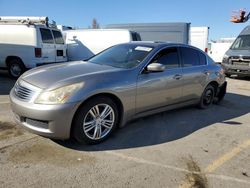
(99,121)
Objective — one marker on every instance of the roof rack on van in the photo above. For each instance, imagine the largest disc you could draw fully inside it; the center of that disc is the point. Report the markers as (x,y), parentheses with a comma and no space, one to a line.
(25,20)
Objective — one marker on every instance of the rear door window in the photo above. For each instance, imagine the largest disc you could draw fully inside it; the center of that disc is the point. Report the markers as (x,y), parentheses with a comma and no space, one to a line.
(58,37)
(203,59)
(46,36)
(190,57)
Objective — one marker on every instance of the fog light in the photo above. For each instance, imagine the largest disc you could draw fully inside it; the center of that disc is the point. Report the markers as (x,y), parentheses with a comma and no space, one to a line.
(37,123)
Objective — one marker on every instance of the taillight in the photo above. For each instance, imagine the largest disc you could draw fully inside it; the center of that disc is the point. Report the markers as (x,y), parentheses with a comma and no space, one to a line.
(206,50)
(38,52)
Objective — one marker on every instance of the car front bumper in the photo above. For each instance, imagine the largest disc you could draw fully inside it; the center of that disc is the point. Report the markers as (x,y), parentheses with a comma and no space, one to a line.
(53,121)
(236,69)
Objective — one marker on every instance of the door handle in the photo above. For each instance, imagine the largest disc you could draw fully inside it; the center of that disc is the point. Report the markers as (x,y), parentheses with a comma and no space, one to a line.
(177,77)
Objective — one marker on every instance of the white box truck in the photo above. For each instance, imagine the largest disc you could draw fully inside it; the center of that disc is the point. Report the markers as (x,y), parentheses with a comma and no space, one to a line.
(27,42)
(166,32)
(85,43)
(199,37)
(178,32)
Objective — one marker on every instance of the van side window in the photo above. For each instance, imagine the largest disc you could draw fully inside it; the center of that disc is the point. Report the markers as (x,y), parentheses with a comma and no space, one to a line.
(168,57)
(190,57)
(46,36)
(58,37)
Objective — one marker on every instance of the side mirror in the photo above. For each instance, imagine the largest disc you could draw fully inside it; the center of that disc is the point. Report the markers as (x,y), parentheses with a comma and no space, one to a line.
(155,67)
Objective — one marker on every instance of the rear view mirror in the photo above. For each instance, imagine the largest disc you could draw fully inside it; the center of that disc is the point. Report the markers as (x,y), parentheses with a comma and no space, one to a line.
(155,67)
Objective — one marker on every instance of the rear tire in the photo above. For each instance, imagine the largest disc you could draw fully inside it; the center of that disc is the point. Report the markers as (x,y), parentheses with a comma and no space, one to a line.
(95,121)
(227,75)
(15,68)
(207,97)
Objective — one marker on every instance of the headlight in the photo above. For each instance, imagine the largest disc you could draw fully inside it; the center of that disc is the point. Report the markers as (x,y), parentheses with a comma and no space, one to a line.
(225,58)
(59,95)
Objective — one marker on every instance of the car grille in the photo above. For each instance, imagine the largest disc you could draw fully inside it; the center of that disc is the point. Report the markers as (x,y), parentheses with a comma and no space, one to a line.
(244,60)
(22,92)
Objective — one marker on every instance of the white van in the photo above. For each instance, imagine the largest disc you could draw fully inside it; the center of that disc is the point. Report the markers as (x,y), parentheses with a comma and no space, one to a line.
(84,43)
(236,60)
(27,42)
(199,37)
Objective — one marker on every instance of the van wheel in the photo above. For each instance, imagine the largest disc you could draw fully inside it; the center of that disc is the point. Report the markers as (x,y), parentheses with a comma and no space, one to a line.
(95,120)
(207,97)
(15,68)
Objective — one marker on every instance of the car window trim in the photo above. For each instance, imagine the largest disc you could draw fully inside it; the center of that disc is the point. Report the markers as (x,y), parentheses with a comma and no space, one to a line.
(160,49)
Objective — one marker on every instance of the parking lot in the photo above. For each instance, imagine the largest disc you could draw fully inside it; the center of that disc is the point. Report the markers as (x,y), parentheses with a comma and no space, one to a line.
(181,148)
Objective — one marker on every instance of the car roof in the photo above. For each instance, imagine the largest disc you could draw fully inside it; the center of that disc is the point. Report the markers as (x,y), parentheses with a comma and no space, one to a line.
(158,43)
(161,44)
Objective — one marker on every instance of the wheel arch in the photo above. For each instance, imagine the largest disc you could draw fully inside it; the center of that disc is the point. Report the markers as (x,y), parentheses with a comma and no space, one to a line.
(9,58)
(215,85)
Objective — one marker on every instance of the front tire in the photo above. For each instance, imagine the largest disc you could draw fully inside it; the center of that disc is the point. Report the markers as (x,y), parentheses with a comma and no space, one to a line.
(95,121)
(207,97)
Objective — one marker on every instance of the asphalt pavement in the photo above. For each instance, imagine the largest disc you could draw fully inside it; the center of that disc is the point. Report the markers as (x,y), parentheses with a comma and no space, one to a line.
(187,147)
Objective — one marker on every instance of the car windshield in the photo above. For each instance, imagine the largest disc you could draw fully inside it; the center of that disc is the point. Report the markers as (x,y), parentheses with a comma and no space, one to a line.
(122,56)
(241,43)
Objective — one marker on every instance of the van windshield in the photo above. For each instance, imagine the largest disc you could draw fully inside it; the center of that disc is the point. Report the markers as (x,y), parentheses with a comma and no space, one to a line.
(241,43)
(122,56)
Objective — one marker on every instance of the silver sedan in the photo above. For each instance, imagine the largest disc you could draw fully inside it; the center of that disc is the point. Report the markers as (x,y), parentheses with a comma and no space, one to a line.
(88,100)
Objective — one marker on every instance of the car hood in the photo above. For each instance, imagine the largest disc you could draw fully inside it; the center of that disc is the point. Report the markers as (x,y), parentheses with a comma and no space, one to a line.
(238,52)
(46,76)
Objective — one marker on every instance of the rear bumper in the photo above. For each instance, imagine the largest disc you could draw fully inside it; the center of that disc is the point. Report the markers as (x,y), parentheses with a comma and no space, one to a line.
(221,92)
